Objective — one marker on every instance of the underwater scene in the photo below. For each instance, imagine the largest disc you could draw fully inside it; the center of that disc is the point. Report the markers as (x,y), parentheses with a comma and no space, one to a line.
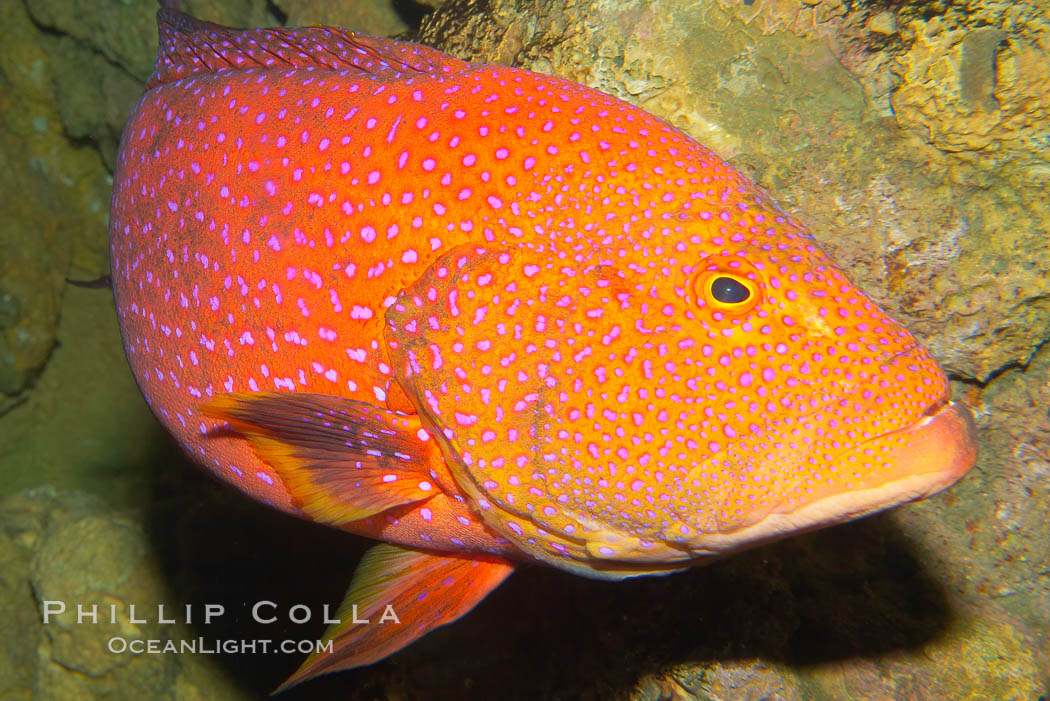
(516,349)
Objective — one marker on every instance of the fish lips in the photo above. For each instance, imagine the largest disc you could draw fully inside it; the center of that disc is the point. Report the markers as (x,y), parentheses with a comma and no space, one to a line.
(928,456)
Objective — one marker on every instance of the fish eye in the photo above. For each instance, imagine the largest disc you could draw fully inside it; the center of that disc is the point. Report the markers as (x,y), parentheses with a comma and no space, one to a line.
(725,291)
(729,291)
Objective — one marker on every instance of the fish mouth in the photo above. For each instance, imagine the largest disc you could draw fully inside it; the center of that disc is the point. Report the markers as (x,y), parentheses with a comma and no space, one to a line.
(928,415)
(926,457)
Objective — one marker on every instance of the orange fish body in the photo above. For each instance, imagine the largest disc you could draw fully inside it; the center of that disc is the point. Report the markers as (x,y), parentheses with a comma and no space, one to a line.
(491,316)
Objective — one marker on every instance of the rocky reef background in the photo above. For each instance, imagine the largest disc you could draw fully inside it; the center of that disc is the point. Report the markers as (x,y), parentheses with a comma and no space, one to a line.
(913,137)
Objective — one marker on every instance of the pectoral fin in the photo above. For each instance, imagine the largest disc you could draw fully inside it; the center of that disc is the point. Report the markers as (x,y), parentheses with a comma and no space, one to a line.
(342,460)
(403,594)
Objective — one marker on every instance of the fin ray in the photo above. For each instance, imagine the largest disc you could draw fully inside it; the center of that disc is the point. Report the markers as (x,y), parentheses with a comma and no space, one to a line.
(341,459)
(425,591)
(189,46)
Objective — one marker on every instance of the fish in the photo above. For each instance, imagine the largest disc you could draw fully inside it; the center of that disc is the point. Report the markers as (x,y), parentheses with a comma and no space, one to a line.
(492,318)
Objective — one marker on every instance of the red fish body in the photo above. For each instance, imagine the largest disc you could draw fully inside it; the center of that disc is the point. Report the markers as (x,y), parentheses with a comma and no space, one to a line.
(490,316)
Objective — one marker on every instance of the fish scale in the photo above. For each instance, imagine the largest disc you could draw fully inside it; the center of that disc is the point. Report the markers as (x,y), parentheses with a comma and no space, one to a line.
(489,316)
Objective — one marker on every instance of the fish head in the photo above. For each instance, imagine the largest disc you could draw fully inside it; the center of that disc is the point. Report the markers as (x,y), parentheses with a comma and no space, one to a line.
(703,381)
(815,407)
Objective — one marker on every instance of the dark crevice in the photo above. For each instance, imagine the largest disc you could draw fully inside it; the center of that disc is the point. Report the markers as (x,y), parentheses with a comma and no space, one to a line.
(82,141)
(276,12)
(411,12)
(43,28)
(85,141)
(9,403)
(60,34)
(1000,371)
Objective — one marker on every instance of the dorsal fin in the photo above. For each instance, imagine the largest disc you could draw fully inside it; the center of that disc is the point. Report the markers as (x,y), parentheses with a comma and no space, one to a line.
(189,46)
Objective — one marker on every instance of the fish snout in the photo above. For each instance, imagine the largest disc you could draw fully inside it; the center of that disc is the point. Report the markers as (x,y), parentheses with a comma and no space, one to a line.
(920,460)
(858,443)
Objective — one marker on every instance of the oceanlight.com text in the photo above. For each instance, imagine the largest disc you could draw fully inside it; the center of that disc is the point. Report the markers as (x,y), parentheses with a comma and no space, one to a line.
(137,646)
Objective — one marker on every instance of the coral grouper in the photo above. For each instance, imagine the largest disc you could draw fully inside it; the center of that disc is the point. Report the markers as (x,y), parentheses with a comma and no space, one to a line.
(493,317)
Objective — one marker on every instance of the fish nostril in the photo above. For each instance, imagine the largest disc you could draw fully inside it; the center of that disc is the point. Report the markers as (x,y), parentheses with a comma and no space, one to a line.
(896,355)
(937,406)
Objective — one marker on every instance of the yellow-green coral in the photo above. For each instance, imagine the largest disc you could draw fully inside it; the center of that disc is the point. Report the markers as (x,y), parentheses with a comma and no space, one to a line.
(978,88)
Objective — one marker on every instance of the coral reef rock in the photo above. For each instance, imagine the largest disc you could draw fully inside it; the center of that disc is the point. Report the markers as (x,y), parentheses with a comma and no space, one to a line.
(58,137)
(67,547)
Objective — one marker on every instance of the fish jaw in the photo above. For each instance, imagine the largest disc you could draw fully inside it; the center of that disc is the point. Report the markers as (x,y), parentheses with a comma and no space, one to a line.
(917,460)
(928,456)
(921,459)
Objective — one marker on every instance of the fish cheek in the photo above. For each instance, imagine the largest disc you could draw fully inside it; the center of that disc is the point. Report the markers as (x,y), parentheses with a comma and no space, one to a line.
(464,344)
